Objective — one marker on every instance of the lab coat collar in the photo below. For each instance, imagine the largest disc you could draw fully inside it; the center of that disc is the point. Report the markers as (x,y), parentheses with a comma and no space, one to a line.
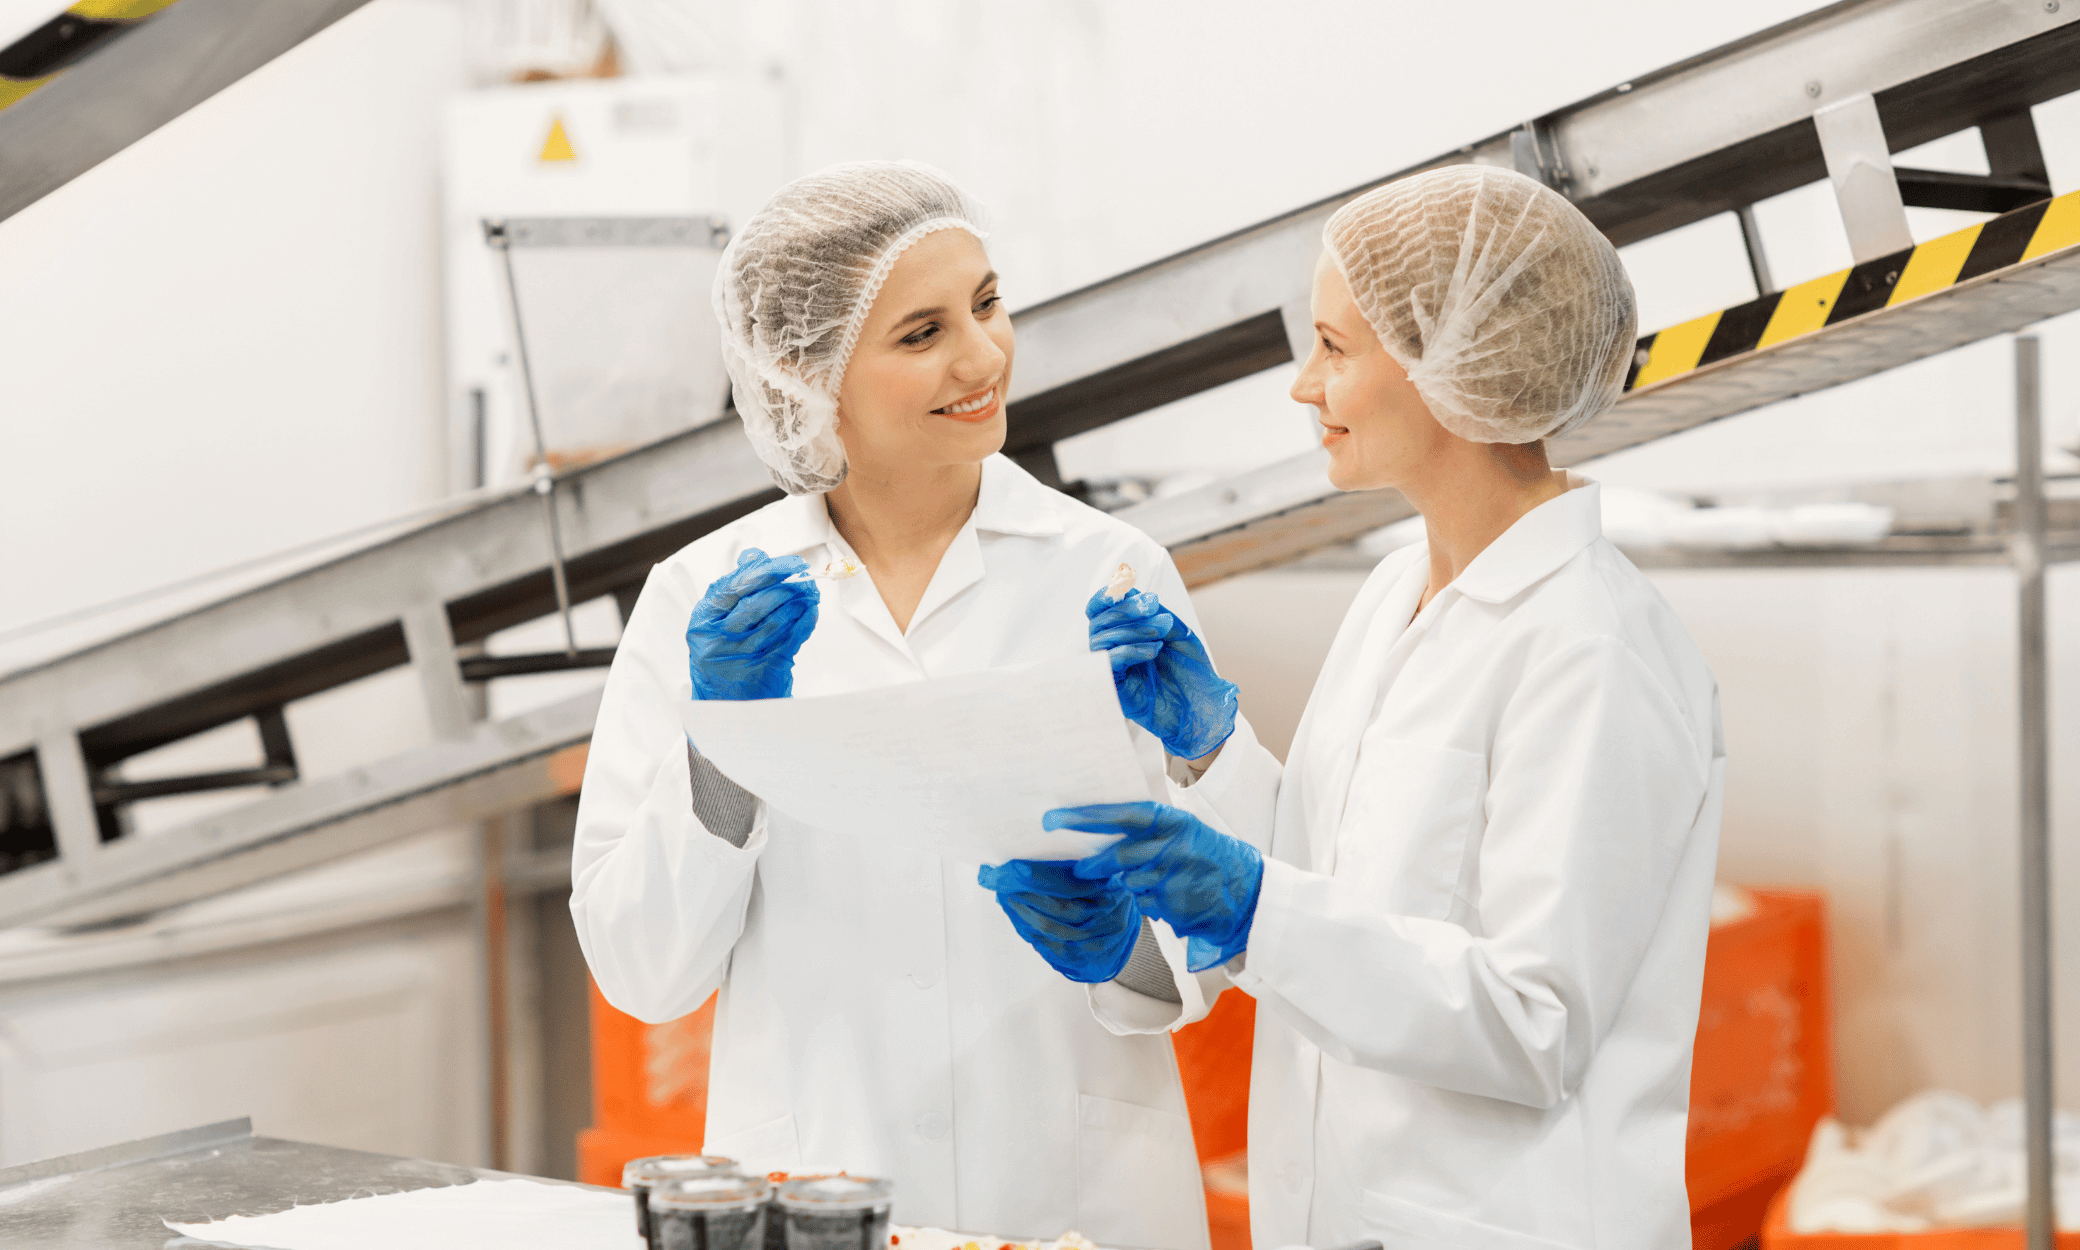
(1014,502)
(1540,542)
(1011,501)
(798,524)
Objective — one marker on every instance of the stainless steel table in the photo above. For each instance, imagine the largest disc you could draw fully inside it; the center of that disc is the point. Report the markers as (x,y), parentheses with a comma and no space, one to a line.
(114,1199)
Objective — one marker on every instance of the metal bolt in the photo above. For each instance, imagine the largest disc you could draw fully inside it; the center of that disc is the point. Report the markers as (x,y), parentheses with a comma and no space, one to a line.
(1813,87)
(2051,6)
(1641,357)
(1593,171)
(1624,87)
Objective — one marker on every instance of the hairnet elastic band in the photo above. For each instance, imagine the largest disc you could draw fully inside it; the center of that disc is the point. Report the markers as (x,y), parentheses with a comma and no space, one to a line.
(877,277)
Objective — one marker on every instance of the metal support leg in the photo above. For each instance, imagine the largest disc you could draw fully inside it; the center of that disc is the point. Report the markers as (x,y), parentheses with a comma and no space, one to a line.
(493,951)
(2027,553)
(1758,260)
(545,477)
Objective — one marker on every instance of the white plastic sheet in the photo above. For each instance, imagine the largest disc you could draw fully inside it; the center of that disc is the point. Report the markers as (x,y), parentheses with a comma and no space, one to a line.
(963,766)
(507,1214)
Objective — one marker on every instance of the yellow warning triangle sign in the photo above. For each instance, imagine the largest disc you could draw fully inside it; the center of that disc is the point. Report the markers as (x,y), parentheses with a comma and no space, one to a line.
(557,147)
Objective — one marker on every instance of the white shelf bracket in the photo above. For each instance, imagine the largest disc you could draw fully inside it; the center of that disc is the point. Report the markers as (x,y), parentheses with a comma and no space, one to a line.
(432,645)
(1859,164)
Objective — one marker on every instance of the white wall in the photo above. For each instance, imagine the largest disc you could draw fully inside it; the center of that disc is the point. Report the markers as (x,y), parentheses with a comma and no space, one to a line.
(364,1039)
(226,339)
(222,341)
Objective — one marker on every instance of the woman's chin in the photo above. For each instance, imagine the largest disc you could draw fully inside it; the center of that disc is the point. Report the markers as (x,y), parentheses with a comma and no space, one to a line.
(962,443)
(1345,473)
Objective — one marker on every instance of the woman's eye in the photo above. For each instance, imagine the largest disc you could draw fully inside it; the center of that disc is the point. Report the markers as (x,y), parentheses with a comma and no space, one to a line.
(1327,345)
(922,336)
(988,306)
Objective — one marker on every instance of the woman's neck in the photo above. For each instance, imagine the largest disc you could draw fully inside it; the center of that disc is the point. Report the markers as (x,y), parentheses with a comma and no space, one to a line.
(1483,490)
(900,524)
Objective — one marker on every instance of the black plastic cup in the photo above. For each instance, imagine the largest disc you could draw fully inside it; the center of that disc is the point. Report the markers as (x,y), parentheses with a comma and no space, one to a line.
(709,1213)
(835,1212)
(640,1176)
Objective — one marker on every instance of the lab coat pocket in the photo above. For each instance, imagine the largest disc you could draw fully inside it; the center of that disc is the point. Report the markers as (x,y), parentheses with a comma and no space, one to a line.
(1406,825)
(762,1148)
(1402,1224)
(1137,1177)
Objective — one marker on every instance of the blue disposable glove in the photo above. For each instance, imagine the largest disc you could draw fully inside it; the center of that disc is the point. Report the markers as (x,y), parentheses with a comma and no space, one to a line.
(741,641)
(1085,928)
(1180,869)
(1165,679)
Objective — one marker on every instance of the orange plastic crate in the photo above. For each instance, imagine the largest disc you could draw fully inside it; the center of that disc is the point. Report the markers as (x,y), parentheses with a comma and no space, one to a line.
(1213,1057)
(1762,1074)
(649,1089)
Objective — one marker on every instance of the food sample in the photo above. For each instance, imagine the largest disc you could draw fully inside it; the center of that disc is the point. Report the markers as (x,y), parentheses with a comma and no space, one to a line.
(1122,582)
(840,569)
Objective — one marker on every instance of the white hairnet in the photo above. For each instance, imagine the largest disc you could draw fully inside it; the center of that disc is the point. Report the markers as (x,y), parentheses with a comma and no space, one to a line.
(793,291)
(1509,310)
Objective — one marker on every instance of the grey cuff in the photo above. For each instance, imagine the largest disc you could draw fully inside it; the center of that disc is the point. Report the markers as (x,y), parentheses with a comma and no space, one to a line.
(1147,973)
(726,808)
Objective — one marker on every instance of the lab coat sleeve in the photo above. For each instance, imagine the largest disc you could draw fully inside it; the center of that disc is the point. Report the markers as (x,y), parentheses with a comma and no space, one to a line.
(1239,792)
(1237,800)
(657,899)
(1596,779)
(1238,795)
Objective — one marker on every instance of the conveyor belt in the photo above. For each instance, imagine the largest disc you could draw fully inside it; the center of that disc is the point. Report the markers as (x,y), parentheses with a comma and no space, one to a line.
(1288,509)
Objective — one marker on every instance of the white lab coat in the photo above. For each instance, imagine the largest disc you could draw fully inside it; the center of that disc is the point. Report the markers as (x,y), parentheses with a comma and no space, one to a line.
(878,1012)
(1479,944)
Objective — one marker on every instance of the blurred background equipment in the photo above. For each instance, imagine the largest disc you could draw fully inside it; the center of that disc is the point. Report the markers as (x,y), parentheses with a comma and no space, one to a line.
(311,813)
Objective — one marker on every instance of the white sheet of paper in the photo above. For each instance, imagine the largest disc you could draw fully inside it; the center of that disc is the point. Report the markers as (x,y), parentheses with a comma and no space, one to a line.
(963,766)
(508,1214)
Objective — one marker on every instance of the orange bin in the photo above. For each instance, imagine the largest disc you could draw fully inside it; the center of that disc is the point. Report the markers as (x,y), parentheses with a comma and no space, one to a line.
(649,1089)
(1213,1058)
(1763,1068)
(1763,1076)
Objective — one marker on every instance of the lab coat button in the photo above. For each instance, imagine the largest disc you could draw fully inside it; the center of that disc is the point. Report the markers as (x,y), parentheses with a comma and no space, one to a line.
(932,1125)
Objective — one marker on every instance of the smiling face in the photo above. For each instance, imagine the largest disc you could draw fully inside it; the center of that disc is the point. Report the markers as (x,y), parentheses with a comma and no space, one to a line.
(1375,425)
(925,386)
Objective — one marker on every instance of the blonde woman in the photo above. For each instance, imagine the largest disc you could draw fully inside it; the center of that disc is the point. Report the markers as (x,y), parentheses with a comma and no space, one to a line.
(879,1011)
(1478,939)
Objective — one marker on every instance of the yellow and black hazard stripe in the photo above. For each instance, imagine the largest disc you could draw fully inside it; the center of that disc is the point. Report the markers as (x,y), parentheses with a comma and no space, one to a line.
(1887,282)
(55,46)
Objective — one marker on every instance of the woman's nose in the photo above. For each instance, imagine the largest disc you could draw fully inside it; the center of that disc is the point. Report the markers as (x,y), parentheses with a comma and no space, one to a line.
(1307,388)
(980,358)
